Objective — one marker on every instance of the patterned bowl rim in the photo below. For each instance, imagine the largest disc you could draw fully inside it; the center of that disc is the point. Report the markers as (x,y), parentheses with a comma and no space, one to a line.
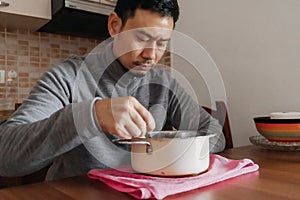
(268,120)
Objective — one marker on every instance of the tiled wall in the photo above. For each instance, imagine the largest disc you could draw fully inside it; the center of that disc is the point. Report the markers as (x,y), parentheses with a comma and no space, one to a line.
(30,54)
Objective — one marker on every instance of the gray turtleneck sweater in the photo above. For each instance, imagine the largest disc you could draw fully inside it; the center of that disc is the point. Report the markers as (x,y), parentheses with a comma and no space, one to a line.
(56,125)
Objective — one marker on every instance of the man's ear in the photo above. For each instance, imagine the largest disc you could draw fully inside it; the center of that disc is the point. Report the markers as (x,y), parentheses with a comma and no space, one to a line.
(114,24)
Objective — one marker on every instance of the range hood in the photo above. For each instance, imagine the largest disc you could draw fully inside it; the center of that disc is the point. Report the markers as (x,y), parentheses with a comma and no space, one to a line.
(80,18)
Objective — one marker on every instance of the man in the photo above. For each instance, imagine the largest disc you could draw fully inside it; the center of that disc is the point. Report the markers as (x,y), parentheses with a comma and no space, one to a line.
(80,105)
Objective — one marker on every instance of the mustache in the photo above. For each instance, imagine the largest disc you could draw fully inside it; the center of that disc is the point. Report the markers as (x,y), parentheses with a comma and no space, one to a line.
(147,63)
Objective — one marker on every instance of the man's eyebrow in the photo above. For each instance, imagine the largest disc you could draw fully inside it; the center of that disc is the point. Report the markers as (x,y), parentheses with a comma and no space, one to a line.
(151,37)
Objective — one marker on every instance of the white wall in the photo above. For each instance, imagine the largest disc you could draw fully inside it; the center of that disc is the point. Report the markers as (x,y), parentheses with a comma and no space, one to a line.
(256,46)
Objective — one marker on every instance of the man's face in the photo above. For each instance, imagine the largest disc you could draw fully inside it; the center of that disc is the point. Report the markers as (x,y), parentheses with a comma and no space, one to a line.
(142,41)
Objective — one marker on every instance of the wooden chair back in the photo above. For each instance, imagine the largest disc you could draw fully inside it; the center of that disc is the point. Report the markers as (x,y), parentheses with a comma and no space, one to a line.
(221,115)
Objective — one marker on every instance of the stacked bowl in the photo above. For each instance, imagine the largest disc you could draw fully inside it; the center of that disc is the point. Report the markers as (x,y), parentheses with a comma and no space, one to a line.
(279,127)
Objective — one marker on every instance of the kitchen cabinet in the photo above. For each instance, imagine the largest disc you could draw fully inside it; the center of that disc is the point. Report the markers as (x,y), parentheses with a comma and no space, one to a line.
(29,13)
(32,8)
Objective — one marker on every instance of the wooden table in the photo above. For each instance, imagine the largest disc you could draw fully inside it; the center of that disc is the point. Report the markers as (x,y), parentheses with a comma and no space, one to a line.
(278,178)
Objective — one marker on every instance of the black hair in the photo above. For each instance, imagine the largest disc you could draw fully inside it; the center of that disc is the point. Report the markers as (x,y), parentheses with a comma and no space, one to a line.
(125,9)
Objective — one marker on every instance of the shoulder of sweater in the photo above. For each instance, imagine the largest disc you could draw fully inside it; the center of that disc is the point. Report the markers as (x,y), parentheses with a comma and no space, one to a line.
(69,65)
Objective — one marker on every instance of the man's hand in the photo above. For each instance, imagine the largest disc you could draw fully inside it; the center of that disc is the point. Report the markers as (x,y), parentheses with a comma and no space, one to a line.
(124,117)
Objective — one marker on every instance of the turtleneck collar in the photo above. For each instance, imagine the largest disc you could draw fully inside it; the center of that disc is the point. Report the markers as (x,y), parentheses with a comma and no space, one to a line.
(116,70)
(103,63)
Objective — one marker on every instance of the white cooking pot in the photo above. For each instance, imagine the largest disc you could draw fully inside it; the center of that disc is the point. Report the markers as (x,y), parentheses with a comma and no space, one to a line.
(170,153)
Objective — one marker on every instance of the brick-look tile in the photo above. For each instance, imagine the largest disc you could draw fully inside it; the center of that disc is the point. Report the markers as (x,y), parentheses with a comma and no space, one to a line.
(31,54)
(23,43)
(2,60)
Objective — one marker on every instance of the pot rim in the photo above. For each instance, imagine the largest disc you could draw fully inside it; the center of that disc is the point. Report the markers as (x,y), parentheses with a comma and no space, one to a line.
(177,134)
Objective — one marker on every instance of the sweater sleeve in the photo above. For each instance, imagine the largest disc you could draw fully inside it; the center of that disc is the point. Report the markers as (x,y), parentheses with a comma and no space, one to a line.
(49,123)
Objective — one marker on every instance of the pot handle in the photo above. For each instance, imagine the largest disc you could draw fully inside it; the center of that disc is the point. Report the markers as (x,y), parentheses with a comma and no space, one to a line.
(149,149)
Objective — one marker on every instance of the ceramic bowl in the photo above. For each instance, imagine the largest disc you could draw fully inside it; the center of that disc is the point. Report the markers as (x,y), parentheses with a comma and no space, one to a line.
(278,130)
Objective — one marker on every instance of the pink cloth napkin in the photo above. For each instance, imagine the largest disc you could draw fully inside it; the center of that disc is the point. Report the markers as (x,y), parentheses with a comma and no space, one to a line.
(144,187)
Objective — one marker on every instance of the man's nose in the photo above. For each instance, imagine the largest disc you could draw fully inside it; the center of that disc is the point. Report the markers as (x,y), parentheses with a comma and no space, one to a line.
(149,53)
